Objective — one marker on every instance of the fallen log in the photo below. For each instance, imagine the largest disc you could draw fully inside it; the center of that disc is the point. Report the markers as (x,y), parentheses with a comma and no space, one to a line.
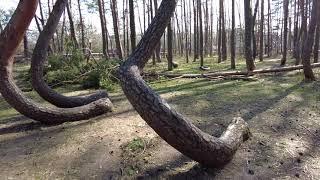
(234,73)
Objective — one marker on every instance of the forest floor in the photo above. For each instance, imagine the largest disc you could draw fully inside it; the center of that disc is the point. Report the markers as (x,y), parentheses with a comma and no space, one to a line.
(283,113)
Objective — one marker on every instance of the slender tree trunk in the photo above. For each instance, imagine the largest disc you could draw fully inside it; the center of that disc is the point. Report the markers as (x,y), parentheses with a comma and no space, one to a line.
(25,46)
(132,25)
(254,41)
(83,43)
(261,53)
(186,31)
(248,34)
(220,32)
(114,10)
(71,23)
(317,41)
(158,49)
(170,50)
(63,28)
(103,29)
(309,41)
(232,39)
(195,31)
(285,31)
(269,30)
(223,33)
(201,34)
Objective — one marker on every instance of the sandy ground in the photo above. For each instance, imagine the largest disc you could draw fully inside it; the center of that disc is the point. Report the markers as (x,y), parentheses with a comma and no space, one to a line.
(285,142)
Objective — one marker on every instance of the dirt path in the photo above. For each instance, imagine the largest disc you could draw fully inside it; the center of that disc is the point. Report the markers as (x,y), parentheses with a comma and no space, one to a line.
(283,114)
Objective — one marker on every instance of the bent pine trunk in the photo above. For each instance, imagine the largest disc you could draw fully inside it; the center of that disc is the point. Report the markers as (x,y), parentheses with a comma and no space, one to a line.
(10,39)
(175,129)
(37,66)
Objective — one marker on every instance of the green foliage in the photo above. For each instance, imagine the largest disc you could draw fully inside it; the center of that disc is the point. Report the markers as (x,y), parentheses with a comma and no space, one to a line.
(75,68)
(136,145)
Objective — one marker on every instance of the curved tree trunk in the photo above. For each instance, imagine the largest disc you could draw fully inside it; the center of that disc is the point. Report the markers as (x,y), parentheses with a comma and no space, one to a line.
(9,41)
(175,129)
(37,66)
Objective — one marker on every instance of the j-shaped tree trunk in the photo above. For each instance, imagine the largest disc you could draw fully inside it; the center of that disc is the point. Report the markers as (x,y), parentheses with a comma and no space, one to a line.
(38,60)
(10,39)
(309,41)
(175,129)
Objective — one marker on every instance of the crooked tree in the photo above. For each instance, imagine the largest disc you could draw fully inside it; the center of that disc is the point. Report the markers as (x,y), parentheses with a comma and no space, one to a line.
(37,66)
(174,128)
(10,39)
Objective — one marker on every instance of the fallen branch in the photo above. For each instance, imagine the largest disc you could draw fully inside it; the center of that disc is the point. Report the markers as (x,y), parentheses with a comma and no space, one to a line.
(234,73)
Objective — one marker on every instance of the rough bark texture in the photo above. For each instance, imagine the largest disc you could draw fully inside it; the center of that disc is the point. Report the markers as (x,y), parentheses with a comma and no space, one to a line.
(103,28)
(317,41)
(132,25)
(248,35)
(201,34)
(38,60)
(285,31)
(309,41)
(177,130)
(170,50)
(9,41)
(71,23)
(83,43)
(232,39)
(114,10)
(261,31)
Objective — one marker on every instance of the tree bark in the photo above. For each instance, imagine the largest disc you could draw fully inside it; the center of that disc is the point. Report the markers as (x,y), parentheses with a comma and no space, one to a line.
(10,39)
(201,34)
(83,43)
(261,53)
(170,50)
(114,11)
(158,48)
(223,35)
(309,41)
(232,39)
(317,41)
(37,66)
(175,129)
(254,41)
(248,34)
(132,26)
(285,31)
(25,46)
(103,29)
(71,23)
